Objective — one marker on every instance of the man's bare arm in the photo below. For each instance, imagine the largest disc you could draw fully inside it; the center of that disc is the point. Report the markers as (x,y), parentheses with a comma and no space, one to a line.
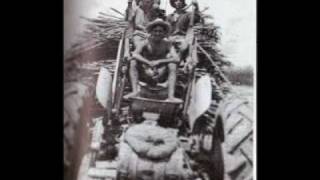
(136,54)
(172,57)
(139,20)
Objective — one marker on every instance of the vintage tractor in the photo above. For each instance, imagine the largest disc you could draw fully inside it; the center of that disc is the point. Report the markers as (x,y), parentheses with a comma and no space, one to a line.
(148,137)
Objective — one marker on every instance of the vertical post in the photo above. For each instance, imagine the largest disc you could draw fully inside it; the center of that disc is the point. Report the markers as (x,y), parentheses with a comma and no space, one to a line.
(191,23)
(194,59)
(129,16)
(128,11)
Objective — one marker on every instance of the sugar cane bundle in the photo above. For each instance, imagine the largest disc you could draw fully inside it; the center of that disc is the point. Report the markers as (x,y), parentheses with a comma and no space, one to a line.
(102,34)
(98,31)
(106,28)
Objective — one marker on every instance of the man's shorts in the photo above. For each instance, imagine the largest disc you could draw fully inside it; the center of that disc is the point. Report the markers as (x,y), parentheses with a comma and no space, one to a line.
(145,77)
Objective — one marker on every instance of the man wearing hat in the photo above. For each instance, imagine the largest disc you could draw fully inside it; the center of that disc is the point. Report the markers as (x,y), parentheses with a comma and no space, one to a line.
(154,60)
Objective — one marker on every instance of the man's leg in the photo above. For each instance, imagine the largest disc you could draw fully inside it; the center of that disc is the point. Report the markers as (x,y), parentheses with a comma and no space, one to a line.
(172,82)
(183,22)
(182,44)
(133,72)
(136,39)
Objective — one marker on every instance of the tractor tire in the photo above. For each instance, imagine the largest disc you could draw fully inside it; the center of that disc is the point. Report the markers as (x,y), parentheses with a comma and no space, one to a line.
(238,145)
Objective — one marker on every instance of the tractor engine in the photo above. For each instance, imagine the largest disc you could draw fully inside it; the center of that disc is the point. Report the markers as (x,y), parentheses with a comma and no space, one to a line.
(148,151)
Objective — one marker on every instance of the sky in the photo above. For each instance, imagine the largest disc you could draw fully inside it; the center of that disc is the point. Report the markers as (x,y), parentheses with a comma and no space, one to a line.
(236,18)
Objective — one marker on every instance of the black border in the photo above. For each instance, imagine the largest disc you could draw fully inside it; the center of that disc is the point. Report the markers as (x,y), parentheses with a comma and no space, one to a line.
(34,79)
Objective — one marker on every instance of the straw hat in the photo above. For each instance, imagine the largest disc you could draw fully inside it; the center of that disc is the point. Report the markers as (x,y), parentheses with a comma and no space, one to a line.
(158,22)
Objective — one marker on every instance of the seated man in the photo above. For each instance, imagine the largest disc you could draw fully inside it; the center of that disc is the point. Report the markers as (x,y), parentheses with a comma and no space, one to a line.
(154,60)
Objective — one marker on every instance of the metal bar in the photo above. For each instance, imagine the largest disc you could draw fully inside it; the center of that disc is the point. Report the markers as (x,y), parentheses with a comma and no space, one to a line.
(118,61)
(215,65)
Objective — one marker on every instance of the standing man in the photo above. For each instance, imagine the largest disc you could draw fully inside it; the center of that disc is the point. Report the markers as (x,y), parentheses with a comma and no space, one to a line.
(180,18)
(154,60)
(145,12)
(180,21)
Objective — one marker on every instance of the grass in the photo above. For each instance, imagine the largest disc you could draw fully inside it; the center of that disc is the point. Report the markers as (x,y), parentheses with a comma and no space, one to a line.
(240,75)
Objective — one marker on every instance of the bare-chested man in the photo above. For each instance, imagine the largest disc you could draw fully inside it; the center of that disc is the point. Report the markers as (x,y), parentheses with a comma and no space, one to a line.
(154,60)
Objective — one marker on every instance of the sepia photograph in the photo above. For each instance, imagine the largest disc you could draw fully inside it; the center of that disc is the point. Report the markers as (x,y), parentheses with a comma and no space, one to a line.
(159,90)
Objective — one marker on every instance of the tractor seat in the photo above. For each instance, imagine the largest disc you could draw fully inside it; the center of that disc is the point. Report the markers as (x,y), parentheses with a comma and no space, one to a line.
(159,91)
